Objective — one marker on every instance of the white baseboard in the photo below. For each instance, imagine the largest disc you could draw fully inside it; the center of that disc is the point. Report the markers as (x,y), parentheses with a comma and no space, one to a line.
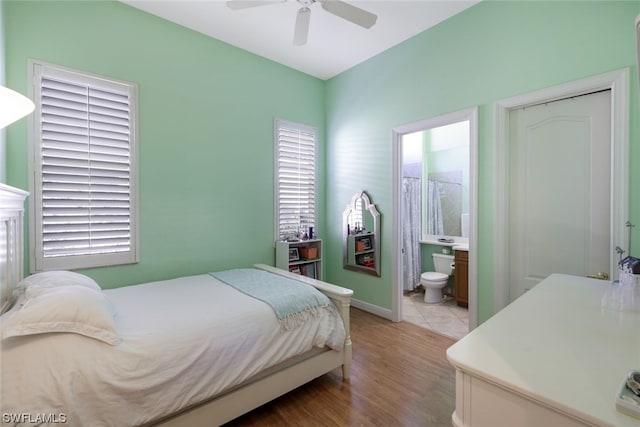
(373,309)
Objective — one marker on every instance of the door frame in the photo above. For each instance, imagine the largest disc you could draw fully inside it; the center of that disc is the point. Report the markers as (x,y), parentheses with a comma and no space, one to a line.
(470,114)
(616,81)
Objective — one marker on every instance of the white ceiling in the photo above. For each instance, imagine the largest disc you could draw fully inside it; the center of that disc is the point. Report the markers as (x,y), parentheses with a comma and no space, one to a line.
(334,44)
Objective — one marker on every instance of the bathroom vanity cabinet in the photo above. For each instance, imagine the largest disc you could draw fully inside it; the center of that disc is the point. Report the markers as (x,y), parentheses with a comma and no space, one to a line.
(556,356)
(461,277)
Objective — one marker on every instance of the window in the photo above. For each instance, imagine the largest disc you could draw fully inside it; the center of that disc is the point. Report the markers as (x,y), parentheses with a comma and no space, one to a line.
(84,187)
(295,179)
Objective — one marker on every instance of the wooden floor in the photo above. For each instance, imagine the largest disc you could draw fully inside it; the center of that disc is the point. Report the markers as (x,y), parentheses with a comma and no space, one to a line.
(399,377)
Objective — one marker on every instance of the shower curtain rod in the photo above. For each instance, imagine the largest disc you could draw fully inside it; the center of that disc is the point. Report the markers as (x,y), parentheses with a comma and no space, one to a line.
(444,182)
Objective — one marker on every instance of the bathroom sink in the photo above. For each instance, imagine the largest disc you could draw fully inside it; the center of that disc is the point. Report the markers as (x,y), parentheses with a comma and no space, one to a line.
(461,247)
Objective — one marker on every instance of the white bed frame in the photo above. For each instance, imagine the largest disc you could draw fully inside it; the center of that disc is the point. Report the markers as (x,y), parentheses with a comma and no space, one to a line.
(227,405)
(252,394)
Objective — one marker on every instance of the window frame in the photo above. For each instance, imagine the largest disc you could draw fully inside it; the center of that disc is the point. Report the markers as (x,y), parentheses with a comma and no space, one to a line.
(38,262)
(278,124)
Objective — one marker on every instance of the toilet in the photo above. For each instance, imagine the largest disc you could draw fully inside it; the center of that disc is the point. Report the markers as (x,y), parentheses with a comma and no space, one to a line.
(434,281)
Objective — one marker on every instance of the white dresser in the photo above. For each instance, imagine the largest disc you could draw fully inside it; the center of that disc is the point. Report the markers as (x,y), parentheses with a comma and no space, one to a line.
(554,357)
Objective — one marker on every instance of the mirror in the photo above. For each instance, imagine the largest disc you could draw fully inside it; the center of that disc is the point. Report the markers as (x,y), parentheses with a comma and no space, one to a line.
(361,235)
(438,157)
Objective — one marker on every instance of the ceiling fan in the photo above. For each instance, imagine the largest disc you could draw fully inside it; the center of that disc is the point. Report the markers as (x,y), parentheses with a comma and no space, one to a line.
(336,7)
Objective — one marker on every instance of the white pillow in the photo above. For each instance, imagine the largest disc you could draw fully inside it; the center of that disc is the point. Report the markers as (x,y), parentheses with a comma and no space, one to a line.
(51,279)
(73,308)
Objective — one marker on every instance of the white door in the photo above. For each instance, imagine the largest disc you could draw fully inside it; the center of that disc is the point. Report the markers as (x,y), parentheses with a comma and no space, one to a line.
(559,197)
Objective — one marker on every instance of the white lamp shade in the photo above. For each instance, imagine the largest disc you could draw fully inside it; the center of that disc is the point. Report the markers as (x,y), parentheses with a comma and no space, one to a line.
(13,106)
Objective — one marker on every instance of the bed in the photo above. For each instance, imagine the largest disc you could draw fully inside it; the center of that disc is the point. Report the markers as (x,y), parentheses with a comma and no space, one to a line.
(196,350)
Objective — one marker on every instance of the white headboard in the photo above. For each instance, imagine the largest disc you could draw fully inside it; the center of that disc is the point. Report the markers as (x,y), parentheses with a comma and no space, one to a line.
(11,241)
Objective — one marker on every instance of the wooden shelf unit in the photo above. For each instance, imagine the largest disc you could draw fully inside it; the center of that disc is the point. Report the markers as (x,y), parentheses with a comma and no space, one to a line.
(302,257)
(361,249)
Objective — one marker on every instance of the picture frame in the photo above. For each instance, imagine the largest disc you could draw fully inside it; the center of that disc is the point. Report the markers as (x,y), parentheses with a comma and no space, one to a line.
(294,255)
(367,243)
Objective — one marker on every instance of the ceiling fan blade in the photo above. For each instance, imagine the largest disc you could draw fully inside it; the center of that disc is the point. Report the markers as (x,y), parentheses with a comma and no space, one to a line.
(245,4)
(350,13)
(302,26)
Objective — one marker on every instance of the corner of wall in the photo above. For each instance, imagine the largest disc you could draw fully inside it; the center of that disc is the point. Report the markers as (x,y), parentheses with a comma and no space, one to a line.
(3,60)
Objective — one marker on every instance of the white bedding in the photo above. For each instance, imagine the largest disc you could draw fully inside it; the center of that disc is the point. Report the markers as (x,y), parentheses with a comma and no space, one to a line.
(183,340)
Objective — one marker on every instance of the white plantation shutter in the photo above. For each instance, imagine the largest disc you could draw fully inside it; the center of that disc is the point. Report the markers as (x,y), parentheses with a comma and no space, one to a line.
(295,178)
(85,174)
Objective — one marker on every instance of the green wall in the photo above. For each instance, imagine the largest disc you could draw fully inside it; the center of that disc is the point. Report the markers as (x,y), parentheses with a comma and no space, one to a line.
(491,51)
(205,128)
(207,109)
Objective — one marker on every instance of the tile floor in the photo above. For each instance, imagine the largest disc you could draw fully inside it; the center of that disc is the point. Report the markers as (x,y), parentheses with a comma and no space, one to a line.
(445,318)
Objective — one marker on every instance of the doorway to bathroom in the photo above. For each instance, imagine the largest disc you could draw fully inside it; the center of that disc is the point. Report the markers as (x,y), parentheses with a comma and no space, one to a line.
(435,199)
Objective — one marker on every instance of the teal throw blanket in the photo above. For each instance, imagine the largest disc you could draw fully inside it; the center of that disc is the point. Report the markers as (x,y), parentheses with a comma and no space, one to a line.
(292,301)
